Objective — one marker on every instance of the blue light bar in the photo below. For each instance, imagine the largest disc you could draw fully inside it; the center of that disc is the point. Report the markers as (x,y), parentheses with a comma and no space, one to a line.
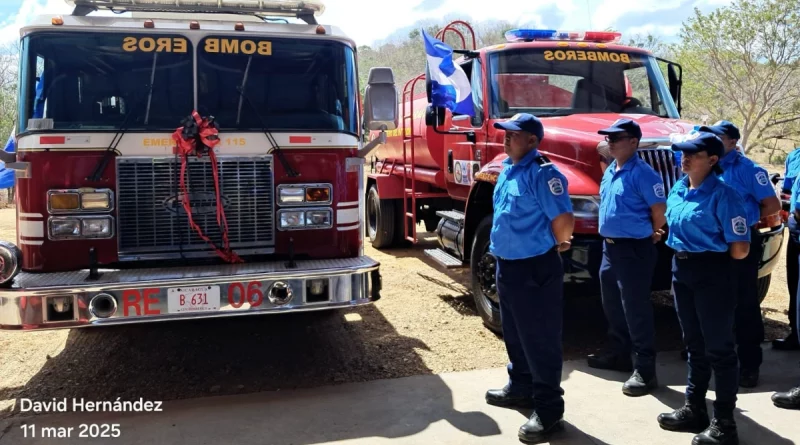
(515,35)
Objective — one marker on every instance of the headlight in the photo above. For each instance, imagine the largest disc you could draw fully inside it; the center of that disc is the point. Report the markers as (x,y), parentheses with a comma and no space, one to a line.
(299,194)
(305,219)
(587,207)
(64,227)
(79,200)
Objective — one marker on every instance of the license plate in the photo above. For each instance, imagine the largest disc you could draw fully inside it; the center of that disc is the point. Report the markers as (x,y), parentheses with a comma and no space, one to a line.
(193,299)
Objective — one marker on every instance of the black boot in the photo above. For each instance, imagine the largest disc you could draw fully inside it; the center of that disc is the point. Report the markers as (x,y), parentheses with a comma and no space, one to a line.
(637,385)
(501,397)
(720,432)
(787,400)
(537,431)
(790,343)
(748,378)
(692,418)
(612,361)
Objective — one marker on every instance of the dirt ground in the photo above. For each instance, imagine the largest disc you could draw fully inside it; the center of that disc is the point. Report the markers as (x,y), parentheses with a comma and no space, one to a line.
(425,323)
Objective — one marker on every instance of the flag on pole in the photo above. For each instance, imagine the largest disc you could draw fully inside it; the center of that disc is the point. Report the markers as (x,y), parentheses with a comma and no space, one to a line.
(449,84)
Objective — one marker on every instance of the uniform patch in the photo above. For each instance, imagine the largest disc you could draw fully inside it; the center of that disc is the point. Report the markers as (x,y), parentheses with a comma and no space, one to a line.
(658,189)
(762,179)
(739,225)
(556,187)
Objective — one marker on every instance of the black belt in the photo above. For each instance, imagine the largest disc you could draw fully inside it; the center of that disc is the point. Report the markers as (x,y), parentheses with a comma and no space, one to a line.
(683,255)
(626,240)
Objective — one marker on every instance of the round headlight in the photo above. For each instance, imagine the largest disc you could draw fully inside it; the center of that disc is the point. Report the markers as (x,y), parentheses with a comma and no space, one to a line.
(10,260)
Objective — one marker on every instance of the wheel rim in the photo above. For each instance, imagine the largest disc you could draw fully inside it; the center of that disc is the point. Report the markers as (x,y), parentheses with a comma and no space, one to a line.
(486,279)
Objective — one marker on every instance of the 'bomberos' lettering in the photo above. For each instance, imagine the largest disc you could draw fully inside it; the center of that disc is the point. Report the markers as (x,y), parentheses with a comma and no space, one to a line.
(155,44)
(592,56)
(238,46)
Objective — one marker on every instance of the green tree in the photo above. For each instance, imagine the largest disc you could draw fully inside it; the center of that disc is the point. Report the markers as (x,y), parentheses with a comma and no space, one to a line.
(742,63)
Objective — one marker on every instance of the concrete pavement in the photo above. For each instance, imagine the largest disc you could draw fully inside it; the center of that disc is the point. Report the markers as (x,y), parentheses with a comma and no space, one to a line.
(433,409)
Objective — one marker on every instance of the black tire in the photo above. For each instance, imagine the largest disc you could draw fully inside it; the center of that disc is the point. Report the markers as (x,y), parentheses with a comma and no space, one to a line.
(380,219)
(763,287)
(482,281)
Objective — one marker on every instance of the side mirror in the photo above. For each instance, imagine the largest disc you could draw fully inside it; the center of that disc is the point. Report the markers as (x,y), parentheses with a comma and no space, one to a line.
(380,100)
(428,83)
(675,83)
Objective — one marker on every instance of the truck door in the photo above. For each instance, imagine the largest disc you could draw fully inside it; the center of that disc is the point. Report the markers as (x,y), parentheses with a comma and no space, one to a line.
(465,152)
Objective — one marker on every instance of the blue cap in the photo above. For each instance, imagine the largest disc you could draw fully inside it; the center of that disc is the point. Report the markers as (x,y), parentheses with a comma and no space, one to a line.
(723,127)
(704,141)
(623,126)
(523,122)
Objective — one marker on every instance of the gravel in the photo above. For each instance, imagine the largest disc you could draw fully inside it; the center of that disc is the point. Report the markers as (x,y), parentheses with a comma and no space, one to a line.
(426,323)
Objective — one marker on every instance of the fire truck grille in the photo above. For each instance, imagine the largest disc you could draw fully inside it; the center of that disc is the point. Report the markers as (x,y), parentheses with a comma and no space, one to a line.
(663,162)
(153,224)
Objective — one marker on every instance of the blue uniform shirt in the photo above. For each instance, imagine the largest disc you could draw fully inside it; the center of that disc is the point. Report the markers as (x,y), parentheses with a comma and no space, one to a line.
(707,218)
(750,180)
(792,168)
(527,197)
(626,197)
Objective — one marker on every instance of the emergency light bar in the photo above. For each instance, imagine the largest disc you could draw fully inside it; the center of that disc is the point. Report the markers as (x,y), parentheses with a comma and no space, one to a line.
(527,35)
(296,8)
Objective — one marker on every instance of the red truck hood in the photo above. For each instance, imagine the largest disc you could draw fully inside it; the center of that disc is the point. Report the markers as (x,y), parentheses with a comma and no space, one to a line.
(585,126)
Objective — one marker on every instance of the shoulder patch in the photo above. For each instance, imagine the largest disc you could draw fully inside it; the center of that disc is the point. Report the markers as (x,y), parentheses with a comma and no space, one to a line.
(658,189)
(556,187)
(542,160)
(761,177)
(739,225)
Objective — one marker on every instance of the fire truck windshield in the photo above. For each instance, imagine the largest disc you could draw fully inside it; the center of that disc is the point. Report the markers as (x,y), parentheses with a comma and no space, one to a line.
(558,82)
(89,81)
(293,83)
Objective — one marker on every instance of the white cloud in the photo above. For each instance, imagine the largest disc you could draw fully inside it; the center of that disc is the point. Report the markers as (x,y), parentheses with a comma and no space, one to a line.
(367,21)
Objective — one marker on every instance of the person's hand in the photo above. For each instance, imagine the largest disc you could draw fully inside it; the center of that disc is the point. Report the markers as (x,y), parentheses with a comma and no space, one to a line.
(563,246)
(656,236)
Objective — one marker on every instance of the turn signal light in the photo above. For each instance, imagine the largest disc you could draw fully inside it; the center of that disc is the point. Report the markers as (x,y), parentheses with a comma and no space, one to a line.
(65,201)
(318,194)
(57,20)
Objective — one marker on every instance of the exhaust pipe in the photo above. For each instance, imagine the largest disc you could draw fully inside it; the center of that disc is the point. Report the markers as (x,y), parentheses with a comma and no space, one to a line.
(103,306)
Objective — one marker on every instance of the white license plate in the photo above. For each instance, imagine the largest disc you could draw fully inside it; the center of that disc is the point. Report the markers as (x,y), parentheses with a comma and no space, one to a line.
(193,299)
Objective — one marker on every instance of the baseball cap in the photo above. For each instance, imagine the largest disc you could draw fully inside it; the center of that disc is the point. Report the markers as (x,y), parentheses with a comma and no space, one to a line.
(723,127)
(623,126)
(704,141)
(523,122)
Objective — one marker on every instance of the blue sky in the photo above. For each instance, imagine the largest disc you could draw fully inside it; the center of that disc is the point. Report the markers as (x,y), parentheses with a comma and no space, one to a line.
(380,19)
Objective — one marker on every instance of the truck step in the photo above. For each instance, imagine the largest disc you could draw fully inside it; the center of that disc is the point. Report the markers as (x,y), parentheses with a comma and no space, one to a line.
(443,258)
(454,215)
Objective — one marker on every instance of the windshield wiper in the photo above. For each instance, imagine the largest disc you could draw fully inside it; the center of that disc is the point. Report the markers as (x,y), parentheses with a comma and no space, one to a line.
(112,147)
(275,147)
(556,113)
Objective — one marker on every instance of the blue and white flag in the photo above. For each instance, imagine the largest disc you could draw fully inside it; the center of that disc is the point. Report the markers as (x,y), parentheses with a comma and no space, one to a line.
(449,84)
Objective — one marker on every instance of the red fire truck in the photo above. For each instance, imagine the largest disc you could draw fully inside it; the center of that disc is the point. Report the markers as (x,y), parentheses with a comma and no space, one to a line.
(193,159)
(440,169)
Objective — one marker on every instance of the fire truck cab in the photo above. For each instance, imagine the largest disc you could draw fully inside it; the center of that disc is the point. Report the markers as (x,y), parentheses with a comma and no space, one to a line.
(440,168)
(194,159)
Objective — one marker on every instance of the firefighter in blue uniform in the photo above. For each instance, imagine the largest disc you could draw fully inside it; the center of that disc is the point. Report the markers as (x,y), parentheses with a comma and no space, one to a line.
(532,223)
(708,230)
(632,206)
(791,398)
(790,173)
(752,183)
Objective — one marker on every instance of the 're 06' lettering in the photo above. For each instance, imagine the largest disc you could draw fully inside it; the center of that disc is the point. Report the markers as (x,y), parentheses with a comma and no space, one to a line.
(238,294)
(140,301)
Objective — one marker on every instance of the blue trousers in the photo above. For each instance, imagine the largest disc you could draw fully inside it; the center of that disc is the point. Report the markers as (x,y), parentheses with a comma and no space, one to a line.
(749,326)
(626,275)
(706,305)
(531,311)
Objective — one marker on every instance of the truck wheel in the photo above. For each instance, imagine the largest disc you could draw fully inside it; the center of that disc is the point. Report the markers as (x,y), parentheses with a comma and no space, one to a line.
(380,219)
(763,287)
(484,288)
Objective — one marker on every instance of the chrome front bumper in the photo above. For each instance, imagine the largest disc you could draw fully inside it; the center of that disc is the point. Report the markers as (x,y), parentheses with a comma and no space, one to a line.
(73,299)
